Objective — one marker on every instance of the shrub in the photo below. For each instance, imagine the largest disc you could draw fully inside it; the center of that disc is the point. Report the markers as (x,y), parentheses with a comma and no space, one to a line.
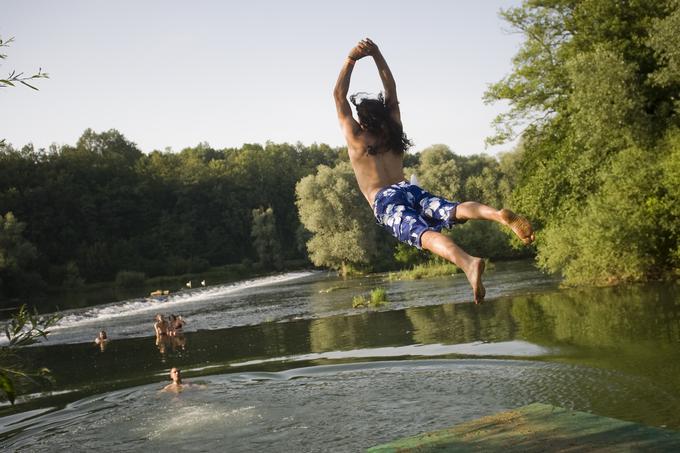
(377,298)
(72,279)
(359,301)
(616,235)
(428,270)
(130,279)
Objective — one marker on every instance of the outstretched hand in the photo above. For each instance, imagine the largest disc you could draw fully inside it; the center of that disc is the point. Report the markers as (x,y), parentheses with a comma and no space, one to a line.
(364,48)
(370,47)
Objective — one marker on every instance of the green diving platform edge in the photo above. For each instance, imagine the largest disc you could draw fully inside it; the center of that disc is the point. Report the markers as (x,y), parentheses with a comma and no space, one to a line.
(539,427)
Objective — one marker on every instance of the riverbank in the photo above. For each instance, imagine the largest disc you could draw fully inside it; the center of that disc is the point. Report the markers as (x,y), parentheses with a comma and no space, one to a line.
(432,269)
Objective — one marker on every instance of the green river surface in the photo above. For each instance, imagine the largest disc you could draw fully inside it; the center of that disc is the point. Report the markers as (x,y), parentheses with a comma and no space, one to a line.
(286,363)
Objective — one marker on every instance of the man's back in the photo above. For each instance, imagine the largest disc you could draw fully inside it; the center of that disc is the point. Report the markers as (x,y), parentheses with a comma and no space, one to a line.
(377,142)
(374,171)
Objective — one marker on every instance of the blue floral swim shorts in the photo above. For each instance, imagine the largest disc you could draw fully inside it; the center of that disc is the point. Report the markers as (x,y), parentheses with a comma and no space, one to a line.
(408,211)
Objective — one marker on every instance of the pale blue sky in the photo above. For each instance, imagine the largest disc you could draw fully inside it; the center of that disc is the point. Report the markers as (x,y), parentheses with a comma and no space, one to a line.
(176,73)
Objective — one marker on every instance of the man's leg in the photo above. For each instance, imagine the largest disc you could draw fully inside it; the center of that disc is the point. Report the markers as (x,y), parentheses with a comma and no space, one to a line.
(473,267)
(477,211)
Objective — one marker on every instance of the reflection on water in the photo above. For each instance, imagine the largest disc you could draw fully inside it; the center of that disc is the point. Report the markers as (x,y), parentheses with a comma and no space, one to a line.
(174,345)
(330,370)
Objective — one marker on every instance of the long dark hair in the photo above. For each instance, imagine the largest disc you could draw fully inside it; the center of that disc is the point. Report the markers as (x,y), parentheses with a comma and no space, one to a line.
(374,116)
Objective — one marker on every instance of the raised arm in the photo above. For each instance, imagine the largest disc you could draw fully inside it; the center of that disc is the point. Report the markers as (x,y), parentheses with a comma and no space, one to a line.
(349,125)
(389,85)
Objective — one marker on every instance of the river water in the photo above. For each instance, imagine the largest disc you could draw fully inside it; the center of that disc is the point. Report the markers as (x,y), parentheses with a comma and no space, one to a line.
(284,363)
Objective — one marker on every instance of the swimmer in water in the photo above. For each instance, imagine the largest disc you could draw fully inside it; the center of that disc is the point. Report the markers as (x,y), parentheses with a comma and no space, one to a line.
(177,385)
(160,326)
(175,325)
(101,340)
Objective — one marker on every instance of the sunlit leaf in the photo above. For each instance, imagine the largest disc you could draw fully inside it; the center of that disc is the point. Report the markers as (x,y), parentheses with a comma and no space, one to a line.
(29,85)
(7,387)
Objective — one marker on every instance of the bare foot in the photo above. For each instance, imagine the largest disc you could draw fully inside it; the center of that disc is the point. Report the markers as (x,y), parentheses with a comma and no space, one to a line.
(519,225)
(474,276)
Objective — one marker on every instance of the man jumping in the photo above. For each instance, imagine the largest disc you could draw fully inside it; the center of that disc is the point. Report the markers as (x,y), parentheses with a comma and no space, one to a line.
(376,145)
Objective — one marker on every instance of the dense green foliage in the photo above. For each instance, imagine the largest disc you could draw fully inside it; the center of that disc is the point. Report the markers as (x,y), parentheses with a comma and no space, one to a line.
(332,208)
(17,257)
(595,88)
(130,279)
(83,213)
(265,239)
(344,231)
(104,211)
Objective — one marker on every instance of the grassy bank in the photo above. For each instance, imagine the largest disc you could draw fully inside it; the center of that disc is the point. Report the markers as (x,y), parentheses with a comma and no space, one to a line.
(426,270)
(430,270)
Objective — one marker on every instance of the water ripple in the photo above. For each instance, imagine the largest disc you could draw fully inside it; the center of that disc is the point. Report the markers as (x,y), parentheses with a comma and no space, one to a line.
(344,407)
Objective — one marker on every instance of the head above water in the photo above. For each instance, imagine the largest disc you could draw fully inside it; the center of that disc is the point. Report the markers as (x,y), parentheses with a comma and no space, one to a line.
(375,117)
(176,375)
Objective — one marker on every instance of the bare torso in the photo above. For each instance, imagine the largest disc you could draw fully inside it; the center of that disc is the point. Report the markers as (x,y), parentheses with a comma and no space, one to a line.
(373,172)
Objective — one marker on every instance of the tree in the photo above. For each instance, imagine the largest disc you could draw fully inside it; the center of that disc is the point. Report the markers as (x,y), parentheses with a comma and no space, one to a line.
(103,206)
(439,173)
(17,256)
(110,145)
(593,94)
(265,239)
(466,178)
(334,211)
(665,42)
